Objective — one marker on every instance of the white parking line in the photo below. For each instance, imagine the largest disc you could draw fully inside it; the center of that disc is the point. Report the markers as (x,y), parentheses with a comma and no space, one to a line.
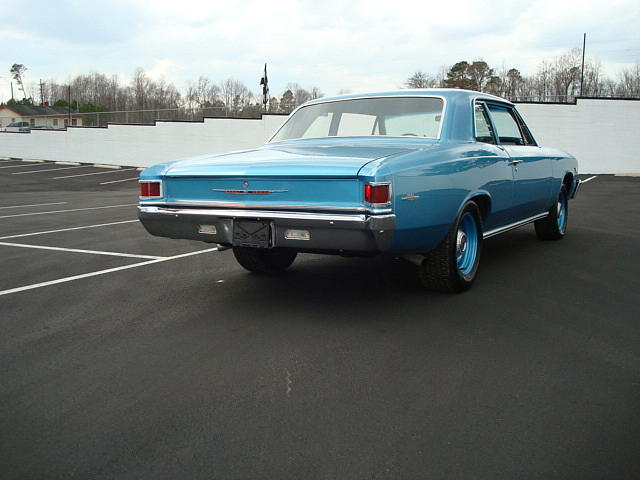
(588,179)
(104,165)
(48,170)
(35,205)
(71,210)
(97,173)
(117,181)
(65,229)
(101,272)
(76,250)
(26,166)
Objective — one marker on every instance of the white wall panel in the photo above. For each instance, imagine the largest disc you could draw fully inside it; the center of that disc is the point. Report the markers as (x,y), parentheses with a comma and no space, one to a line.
(602,134)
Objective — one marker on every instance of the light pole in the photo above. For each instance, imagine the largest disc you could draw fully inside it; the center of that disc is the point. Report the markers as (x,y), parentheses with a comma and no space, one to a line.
(584,43)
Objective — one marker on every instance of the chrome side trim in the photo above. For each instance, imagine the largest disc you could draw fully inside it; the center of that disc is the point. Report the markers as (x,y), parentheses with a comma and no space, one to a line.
(258,214)
(511,226)
(222,205)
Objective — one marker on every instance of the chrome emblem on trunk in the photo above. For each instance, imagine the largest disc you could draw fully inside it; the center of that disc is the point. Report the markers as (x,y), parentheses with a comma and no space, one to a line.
(245,184)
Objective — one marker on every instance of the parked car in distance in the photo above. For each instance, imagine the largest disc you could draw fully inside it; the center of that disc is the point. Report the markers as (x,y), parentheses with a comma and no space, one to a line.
(17,127)
(422,174)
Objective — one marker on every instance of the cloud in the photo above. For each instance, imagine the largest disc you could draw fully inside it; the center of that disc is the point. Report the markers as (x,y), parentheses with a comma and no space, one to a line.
(334,45)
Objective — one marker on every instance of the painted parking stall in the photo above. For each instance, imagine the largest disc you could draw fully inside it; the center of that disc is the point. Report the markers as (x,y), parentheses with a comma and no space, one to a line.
(57,242)
(127,355)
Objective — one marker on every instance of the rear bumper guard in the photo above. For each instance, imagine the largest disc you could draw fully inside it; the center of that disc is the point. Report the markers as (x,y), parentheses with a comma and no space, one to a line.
(349,233)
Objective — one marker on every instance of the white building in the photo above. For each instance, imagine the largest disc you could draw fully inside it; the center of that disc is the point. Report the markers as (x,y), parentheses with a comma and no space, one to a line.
(40,116)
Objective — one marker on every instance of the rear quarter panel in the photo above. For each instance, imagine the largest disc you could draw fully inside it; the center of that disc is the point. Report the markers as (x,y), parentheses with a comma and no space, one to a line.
(443,178)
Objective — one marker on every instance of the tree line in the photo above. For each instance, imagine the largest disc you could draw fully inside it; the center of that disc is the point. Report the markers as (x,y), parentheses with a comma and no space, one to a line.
(106,98)
(557,80)
(143,99)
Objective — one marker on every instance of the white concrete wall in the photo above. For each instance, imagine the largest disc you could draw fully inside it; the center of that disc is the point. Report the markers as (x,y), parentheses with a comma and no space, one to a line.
(602,134)
(140,145)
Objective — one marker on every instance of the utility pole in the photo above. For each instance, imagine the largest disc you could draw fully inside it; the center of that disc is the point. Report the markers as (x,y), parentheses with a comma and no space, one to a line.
(41,92)
(584,43)
(12,92)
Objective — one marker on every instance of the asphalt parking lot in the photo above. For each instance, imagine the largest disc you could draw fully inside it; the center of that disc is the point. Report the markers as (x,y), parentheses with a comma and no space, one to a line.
(128,356)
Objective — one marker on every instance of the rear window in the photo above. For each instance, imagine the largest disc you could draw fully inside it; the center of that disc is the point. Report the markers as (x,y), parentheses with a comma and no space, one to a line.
(388,116)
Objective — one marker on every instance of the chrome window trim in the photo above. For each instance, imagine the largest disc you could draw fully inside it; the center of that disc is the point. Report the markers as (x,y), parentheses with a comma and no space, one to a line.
(155,180)
(275,207)
(482,102)
(523,125)
(511,226)
(364,97)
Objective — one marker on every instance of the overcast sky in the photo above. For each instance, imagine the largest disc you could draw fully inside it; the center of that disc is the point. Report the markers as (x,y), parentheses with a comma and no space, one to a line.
(334,45)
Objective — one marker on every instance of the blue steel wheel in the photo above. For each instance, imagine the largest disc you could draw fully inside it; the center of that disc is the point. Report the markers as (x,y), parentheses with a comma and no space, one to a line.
(561,209)
(554,225)
(466,244)
(453,265)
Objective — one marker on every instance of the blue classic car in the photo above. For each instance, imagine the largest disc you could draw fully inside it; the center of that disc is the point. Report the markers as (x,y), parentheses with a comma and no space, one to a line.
(422,174)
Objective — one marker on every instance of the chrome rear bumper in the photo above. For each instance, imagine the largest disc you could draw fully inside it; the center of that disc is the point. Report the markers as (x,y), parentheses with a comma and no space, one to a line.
(349,233)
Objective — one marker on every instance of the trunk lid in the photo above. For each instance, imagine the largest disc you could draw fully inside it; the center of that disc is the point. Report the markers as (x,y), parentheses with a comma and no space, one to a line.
(287,161)
(302,177)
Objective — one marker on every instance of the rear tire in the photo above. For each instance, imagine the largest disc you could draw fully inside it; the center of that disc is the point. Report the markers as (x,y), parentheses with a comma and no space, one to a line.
(262,260)
(554,226)
(453,265)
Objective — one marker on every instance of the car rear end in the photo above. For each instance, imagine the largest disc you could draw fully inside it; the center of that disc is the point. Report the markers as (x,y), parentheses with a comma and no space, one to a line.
(330,214)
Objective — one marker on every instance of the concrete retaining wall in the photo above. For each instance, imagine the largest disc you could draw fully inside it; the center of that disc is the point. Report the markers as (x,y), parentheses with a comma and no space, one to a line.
(602,134)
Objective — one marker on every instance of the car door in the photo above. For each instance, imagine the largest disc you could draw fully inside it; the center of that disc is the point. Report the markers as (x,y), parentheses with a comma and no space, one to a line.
(498,177)
(531,168)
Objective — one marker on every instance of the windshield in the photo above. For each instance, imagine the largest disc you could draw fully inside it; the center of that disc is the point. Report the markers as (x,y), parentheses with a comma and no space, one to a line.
(388,116)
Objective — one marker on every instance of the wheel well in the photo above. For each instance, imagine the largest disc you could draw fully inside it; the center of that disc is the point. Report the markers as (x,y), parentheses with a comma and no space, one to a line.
(484,204)
(567,181)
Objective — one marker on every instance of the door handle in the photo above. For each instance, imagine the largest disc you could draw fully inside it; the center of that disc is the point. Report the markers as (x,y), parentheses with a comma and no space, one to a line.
(514,162)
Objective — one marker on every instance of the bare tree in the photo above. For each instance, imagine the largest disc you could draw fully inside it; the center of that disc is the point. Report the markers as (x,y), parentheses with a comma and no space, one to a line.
(566,75)
(629,82)
(593,78)
(315,92)
(235,96)
(419,79)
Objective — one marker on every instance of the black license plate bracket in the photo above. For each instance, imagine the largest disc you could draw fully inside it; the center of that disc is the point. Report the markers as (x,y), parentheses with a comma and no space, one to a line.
(252,233)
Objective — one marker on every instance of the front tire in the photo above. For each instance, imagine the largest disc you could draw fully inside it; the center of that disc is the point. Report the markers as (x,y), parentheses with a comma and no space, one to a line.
(554,226)
(453,265)
(263,260)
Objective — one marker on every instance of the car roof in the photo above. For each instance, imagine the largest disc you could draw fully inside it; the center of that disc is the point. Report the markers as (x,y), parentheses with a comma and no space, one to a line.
(446,93)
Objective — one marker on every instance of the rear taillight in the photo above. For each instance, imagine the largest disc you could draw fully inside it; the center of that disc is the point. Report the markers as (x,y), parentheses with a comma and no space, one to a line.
(152,189)
(377,193)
